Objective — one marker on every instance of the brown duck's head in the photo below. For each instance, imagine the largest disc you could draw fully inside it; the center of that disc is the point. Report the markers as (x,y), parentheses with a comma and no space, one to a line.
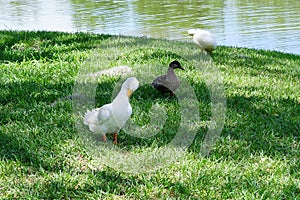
(175,64)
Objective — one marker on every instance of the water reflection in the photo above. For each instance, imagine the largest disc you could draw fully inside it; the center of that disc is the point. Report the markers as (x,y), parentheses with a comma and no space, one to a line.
(36,15)
(103,16)
(270,24)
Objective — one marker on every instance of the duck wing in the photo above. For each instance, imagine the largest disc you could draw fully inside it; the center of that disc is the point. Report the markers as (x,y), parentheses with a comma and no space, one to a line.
(161,88)
(166,84)
(160,81)
(98,117)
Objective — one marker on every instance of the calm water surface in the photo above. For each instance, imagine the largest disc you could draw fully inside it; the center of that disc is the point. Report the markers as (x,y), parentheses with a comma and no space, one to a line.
(268,24)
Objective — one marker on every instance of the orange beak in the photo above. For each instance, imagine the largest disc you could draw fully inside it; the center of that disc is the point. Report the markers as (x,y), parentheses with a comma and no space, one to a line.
(129,92)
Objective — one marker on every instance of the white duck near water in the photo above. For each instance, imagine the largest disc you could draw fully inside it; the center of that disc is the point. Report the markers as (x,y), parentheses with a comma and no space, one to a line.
(110,118)
(204,39)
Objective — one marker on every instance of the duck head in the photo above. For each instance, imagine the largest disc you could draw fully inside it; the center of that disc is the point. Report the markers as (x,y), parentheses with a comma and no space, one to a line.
(130,85)
(175,64)
(193,31)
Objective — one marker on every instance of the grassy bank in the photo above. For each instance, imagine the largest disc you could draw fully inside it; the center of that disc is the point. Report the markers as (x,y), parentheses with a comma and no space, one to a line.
(42,156)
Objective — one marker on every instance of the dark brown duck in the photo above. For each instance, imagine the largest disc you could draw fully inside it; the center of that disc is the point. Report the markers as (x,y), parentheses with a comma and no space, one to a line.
(169,82)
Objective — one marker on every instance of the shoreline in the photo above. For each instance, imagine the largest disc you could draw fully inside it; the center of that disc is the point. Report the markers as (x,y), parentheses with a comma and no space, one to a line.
(89,33)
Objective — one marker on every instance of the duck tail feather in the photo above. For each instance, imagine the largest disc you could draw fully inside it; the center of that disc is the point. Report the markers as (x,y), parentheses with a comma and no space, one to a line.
(89,117)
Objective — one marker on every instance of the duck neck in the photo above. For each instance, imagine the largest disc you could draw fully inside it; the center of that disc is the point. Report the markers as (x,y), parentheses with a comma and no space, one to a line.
(170,71)
(121,97)
(120,108)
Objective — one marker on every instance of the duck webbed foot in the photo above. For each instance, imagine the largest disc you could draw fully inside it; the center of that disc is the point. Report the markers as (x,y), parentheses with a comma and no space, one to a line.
(115,138)
(104,138)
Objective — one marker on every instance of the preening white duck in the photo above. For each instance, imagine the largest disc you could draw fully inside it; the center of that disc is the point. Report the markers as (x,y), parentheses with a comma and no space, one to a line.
(204,39)
(110,118)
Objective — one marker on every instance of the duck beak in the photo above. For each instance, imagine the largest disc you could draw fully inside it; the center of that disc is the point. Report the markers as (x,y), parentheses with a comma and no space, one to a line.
(129,92)
(181,68)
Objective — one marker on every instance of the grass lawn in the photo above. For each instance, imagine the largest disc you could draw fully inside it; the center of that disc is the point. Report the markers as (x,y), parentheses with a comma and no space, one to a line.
(43,156)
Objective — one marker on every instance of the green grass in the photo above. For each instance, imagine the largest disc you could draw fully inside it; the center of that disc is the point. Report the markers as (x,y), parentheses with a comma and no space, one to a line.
(42,155)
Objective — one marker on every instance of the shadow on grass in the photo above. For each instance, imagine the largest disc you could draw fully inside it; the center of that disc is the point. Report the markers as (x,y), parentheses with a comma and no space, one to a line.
(269,125)
(30,125)
(104,183)
(257,124)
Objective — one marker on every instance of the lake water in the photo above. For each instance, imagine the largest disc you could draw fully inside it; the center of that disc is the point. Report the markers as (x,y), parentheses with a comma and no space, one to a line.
(267,24)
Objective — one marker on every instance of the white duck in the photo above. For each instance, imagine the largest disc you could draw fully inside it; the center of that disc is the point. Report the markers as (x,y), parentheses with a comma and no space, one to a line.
(110,118)
(204,39)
